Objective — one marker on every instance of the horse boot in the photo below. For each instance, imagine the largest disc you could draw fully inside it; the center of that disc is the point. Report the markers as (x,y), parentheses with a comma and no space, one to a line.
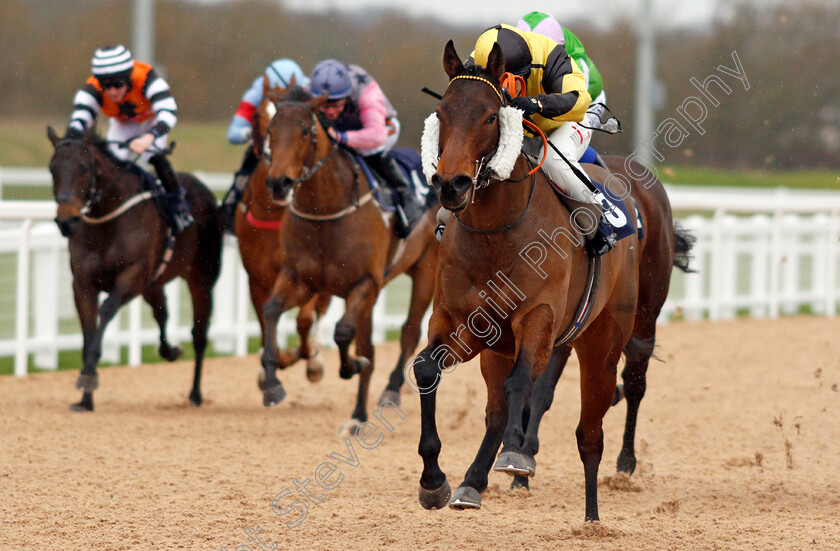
(409,211)
(180,216)
(237,189)
(588,218)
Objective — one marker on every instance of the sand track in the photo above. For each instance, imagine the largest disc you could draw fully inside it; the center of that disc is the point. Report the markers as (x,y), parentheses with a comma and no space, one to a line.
(738,446)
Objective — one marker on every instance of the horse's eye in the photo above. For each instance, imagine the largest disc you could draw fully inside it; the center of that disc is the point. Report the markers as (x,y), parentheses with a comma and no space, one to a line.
(491,119)
(307,131)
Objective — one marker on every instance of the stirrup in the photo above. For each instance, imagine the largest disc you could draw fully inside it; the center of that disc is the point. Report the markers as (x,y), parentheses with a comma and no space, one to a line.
(602,241)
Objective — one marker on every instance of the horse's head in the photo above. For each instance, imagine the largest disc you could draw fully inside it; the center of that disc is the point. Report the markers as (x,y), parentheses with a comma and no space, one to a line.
(295,141)
(469,132)
(74,172)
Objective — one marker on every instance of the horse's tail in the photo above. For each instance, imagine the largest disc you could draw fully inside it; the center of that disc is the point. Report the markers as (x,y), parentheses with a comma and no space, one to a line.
(683,243)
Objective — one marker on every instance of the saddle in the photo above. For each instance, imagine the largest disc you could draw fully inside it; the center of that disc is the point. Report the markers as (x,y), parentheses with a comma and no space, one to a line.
(167,204)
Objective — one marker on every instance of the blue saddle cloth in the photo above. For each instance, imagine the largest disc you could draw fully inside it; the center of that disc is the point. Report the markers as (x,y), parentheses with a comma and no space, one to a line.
(412,167)
(616,214)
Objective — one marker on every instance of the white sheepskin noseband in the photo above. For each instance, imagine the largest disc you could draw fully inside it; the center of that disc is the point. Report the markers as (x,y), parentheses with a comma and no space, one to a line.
(510,144)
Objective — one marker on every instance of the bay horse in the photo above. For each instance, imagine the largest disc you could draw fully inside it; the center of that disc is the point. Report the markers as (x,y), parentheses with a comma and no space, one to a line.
(335,241)
(513,279)
(118,245)
(258,224)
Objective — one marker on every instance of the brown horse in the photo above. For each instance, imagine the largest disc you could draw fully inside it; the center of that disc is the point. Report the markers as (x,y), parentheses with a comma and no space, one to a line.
(258,224)
(513,279)
(119,245)
(335,240)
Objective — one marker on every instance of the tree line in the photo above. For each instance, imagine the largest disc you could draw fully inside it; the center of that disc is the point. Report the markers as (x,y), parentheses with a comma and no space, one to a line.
(210,53)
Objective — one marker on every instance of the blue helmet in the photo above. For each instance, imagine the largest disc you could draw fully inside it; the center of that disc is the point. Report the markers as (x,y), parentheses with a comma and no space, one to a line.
(281,71)
(333,78)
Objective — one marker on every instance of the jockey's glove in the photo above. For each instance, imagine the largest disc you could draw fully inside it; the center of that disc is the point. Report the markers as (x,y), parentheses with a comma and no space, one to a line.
(529,105)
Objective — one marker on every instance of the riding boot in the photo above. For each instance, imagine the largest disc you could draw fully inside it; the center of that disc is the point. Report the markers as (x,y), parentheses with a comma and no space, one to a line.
(409,210)
(237,189)
(589,219)
(179,214)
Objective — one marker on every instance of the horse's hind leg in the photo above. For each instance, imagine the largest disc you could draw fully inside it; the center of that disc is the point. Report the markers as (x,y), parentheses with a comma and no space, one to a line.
(88,309)
(494,369)
(541,399)
(357,323)
(422,289)
(157,300)
(638,353)
(201,292)
(309,350)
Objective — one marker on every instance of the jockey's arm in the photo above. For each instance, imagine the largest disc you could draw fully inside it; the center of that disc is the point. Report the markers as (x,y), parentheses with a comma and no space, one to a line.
(87,104)
(163,104)
(566,98)
(239,131)
(372,112)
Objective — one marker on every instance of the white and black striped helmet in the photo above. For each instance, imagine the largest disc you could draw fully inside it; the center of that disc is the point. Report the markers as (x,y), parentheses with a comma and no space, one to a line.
(112,61)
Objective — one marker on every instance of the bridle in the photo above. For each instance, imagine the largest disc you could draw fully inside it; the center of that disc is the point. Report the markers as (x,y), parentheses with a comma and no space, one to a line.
(309,169)
(93,195)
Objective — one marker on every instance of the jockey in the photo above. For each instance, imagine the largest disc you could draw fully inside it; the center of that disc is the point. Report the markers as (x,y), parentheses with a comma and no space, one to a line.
(358,115)
(279,73)
(556,99)
(142,112)
(546,25)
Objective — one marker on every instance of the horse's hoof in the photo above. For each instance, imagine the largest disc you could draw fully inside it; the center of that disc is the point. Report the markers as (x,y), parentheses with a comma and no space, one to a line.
(619,393)
(362,364)
(261,379)
(465,497)
(195,399)
(81,407)
(314,369)
(389,396)
(515,463)
(349,428)
(87,383)
(519,481)
(435,499)
(170,353)
(626,463)
(274,395)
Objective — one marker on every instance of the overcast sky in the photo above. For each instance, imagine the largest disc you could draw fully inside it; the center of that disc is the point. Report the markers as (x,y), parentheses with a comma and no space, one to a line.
(694,13)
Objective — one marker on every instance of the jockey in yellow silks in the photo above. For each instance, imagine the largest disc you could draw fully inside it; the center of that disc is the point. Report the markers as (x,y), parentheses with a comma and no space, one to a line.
(556,99)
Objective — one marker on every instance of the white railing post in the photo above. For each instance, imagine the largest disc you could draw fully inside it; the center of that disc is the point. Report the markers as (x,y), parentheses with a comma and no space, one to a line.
(135,328)
(831,264)
(45,305)
(22,301)
(243,302)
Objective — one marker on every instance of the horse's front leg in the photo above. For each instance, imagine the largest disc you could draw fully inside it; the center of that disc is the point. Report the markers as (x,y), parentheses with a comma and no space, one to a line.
(284,295)
(494,369)
(541,398)
(87,307)
(441,355)
(157,300)
(533,345)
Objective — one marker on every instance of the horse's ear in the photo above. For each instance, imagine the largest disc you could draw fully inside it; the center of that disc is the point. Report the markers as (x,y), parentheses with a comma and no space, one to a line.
(316,102)
(496,61)
(292,82)
(452,64)
(52,135)
(266,85)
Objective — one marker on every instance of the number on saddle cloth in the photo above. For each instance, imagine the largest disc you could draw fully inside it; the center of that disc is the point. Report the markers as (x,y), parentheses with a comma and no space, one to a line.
(615,213)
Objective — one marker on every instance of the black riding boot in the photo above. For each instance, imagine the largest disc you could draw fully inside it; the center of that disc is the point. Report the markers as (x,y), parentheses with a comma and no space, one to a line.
(599,235)
(181,218)
(237,189)
(408,210)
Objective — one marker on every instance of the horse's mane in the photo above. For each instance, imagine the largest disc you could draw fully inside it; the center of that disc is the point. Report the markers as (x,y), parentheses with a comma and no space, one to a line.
(299,94)
(101,144)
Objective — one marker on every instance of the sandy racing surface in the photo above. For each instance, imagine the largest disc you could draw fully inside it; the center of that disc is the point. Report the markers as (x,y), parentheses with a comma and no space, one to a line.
(738,446)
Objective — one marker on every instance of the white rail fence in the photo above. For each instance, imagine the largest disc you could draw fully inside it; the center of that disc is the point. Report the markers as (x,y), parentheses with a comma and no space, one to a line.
(759,252)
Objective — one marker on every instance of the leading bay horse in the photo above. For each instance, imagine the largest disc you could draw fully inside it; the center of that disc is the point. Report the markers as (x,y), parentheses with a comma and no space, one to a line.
(258,224)
(513,279)
(118,245)
(335,240)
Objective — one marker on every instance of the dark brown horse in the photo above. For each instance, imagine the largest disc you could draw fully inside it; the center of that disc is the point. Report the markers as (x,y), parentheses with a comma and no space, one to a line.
(118,245)
(513,278)
(258,223)
(335,240)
